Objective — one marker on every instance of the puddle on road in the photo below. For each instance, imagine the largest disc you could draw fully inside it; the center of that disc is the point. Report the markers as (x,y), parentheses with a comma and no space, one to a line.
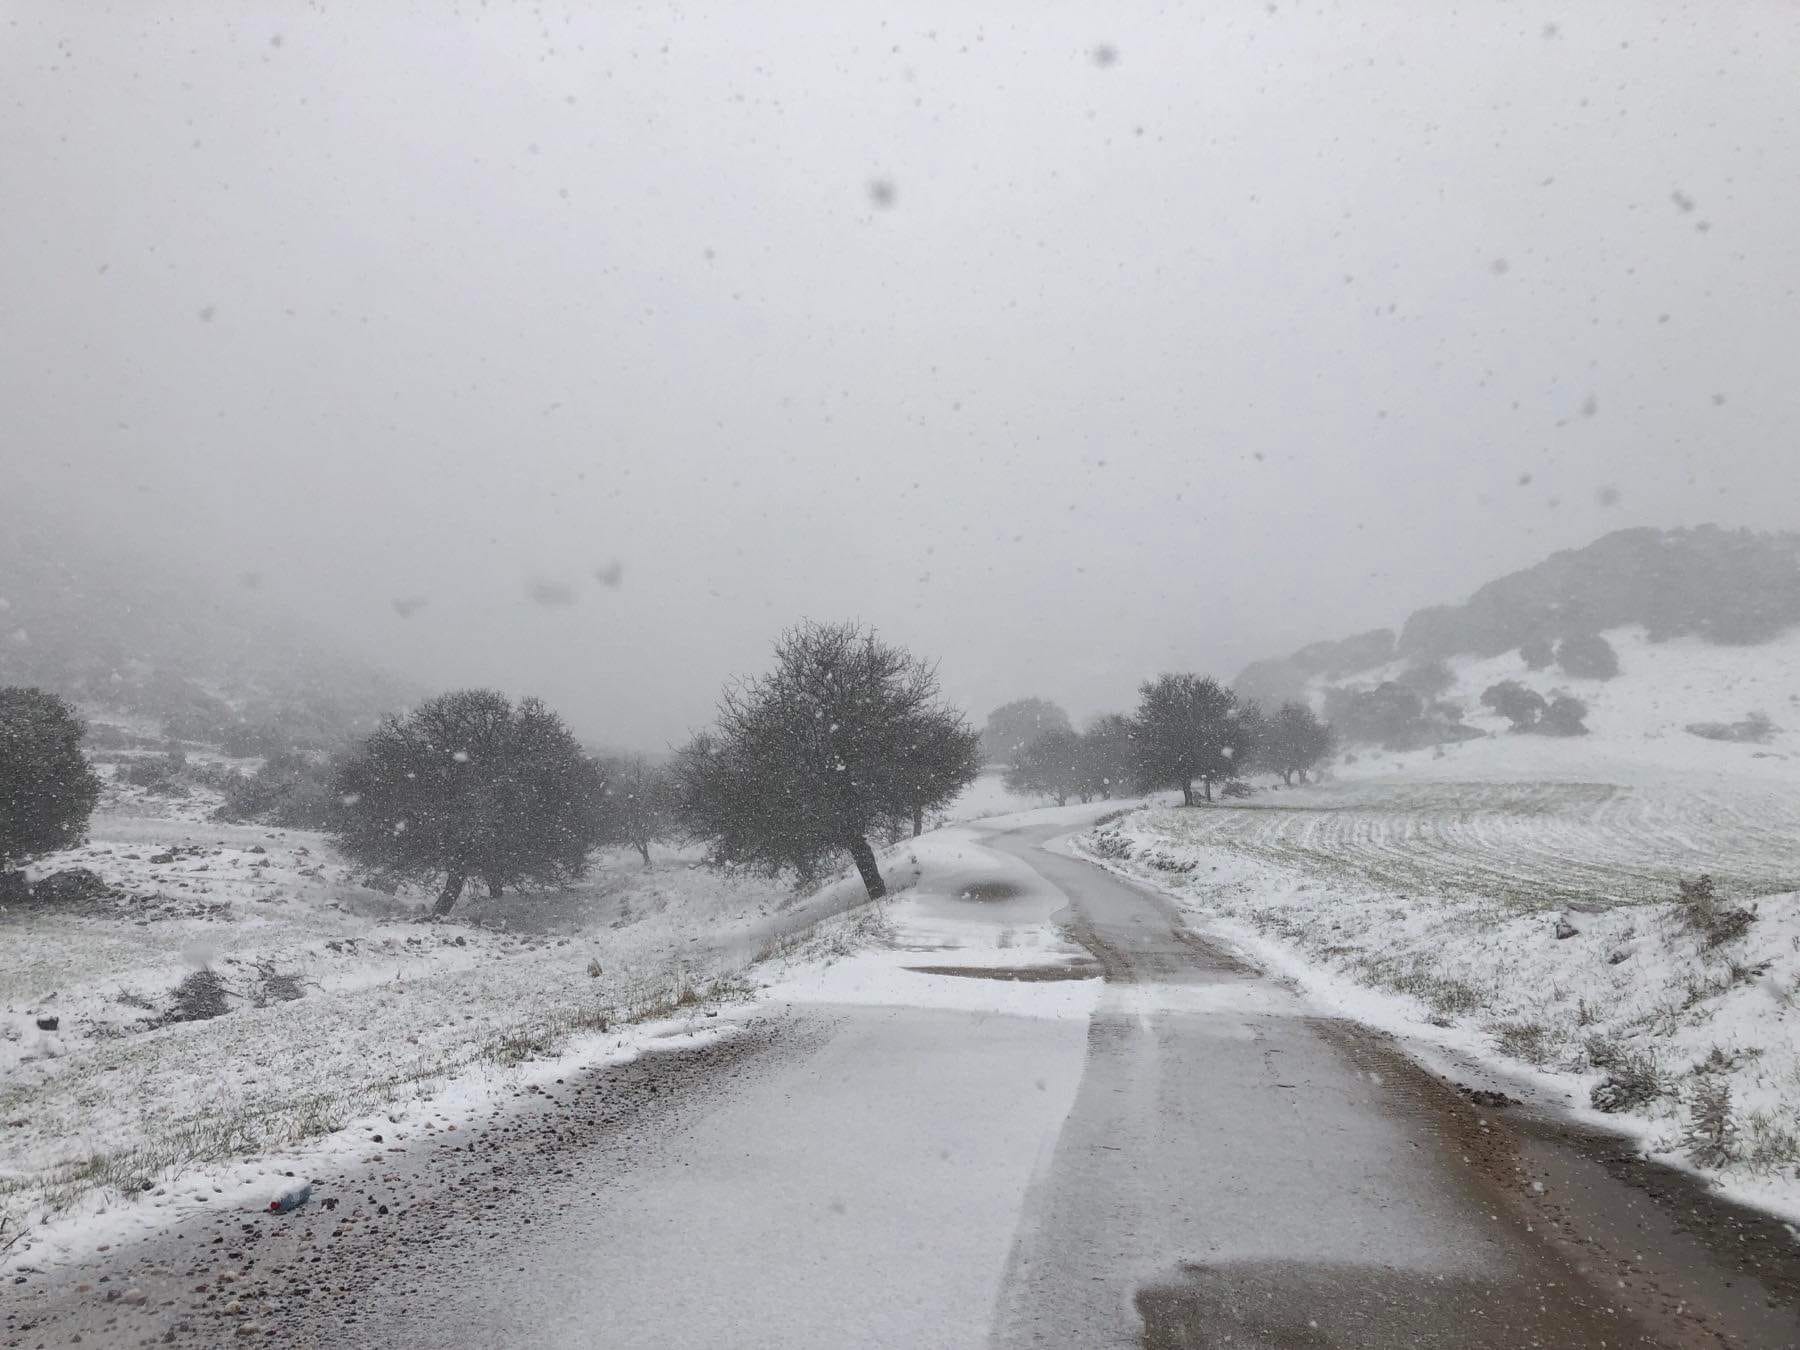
(990,890)
(1325,1306)
(1086,970)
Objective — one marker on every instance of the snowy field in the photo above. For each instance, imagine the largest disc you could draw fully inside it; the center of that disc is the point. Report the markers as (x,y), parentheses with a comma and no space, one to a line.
(335,1005)
(1427,892)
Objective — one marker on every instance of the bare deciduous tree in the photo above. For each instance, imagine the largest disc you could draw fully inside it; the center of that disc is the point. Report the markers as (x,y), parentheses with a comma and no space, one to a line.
(638,804)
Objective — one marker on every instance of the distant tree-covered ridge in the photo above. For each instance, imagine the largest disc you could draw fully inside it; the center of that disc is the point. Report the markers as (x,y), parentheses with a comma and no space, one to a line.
(1725,586)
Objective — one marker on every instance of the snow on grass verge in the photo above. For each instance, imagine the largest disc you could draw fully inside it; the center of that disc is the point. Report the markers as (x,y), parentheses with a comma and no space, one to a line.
(1677,1018)
(206,994)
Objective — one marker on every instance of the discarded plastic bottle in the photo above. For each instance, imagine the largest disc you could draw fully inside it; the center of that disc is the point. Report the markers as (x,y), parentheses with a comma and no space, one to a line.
(292,1198)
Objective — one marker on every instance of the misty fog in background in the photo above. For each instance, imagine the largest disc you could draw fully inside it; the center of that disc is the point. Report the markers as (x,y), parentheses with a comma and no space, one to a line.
(579,353)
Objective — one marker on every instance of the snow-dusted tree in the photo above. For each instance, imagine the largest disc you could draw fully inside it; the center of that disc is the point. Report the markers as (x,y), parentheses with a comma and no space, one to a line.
(469,786)
(837,743)
(942,759)
(1517,704)
(1566,715)
(1537,653)
(1050,766)
(1295,741)
(1587,656)
(637,805)
(1109,756)
(1013,726)
(1188,729)
(47,790)
(1427,678)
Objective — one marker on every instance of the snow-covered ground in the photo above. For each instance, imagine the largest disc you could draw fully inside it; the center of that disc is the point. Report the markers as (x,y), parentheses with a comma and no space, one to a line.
(345,1008)
(1426,891)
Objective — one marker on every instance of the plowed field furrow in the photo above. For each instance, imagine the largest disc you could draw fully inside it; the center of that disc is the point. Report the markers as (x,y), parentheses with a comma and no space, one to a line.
(1533,846)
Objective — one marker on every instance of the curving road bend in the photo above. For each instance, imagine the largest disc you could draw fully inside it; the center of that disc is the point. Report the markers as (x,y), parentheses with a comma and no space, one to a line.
(1202,1160)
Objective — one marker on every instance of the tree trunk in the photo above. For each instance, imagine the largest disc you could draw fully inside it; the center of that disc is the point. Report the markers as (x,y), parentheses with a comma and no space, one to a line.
(643,847)
(1302,775)
(1187,792)
(1287,776)
(493,889)
(1206,787)
(865,864)
(447,897)
(918,821)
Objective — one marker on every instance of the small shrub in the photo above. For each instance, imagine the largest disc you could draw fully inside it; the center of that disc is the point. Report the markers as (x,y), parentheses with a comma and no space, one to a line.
(1537,653)
(199,997)
(1109,844)
(155,773)
(1529,1041)
(1633,1081)
(71,886)
(1702,913)
(1604,1052)
(274,986)
(1769,1145)
(1710,1138)
(1717,1060)
(289,791)
(1756,729)
(1238,788)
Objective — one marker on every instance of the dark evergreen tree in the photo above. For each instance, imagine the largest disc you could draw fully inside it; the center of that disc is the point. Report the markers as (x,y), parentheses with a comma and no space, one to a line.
(840,741)
(469,786)
(47,790)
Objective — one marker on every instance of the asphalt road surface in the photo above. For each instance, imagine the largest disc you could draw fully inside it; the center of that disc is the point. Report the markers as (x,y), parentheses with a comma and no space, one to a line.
(1204,1161)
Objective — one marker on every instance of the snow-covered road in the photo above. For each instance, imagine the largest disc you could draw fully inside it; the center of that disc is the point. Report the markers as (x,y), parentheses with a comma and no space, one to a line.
(965,1139)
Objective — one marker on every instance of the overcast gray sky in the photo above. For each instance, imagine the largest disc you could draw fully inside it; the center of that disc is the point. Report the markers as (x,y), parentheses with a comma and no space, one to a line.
(1063,342)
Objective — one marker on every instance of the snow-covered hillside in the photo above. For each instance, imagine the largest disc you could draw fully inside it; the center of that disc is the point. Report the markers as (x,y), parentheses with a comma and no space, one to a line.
(1636,721)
